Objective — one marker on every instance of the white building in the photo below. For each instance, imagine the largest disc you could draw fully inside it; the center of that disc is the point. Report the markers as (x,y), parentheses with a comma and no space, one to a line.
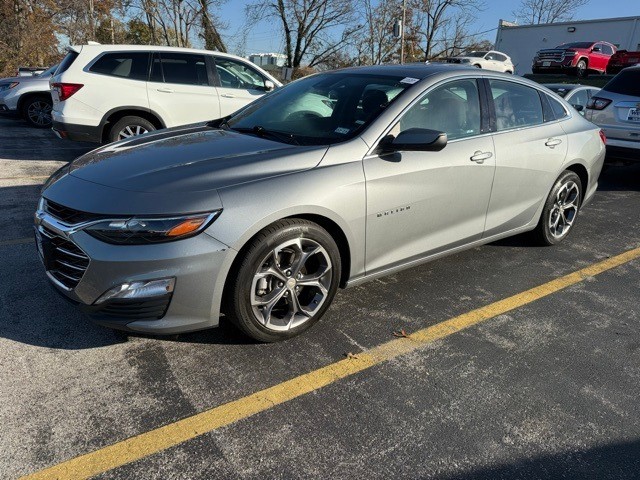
(522,42)
(268,61)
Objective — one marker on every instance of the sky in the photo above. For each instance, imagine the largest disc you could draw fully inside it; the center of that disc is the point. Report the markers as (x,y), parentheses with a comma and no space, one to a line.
(266,37)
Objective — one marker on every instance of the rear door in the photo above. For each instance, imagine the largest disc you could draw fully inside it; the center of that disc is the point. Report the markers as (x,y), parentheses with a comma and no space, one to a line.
(238,84)
(181,90)
(529,147)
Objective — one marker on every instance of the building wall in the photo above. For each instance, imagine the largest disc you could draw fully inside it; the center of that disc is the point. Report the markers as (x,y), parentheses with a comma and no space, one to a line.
(522,42)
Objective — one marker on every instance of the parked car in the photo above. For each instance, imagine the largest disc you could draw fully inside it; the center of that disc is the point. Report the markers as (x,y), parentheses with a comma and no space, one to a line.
(622,59)
(264,213)
(103,93)
(489,60)
(30,71)
(28,97)
(616,108)
(577,95)
(576,58)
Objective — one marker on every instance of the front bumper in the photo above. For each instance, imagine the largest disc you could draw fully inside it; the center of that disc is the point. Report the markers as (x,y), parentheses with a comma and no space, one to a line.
(77,133)
(195,263)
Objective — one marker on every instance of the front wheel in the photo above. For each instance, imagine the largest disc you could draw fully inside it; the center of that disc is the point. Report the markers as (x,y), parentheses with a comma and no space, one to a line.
(560,210)
(581,69)
(284,282)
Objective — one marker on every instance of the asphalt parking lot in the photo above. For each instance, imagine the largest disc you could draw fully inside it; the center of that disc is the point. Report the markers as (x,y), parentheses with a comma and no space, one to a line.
(544,384)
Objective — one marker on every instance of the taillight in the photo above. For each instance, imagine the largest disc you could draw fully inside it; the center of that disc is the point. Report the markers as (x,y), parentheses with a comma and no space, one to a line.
(65,90)
(597,103)
(603,137)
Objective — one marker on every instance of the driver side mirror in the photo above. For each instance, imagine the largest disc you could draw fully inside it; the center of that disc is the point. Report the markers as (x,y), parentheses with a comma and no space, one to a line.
(595,49)
(269,85)
(414,140)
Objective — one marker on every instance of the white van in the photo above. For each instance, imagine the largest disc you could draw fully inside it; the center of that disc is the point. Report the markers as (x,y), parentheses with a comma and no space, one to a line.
(104,93)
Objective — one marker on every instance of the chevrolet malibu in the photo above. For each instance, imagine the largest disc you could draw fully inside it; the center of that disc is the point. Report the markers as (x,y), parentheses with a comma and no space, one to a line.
(329,182)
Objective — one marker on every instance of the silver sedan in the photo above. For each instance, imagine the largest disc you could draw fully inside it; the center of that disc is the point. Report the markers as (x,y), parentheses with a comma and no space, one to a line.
(331,181)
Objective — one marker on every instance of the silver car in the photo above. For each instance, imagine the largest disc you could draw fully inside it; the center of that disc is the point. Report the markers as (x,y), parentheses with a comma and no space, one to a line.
(262,215)
(616,108)
(29,97)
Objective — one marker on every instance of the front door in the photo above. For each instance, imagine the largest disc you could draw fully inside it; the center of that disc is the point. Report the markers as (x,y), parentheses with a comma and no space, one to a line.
(238,84)
(420,203)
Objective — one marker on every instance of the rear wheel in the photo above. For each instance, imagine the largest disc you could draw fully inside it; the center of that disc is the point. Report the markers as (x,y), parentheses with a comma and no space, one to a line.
(130,126)
(36,110)
(560,210)
(285,281)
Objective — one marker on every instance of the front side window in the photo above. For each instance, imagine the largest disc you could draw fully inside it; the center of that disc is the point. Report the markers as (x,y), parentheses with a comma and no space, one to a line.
(235,74)
(181,68)
(516,105)
(606,49)
(453,108)
(132,65)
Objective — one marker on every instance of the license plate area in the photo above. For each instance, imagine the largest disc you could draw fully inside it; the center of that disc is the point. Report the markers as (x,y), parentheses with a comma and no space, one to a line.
(546,64)
(633,115)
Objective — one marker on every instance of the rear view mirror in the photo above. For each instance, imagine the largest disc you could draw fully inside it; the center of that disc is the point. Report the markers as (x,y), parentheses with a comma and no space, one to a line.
(415,140)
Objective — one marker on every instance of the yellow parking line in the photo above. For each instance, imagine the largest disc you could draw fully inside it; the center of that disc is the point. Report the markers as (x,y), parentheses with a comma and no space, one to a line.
(173,434)
(16,241)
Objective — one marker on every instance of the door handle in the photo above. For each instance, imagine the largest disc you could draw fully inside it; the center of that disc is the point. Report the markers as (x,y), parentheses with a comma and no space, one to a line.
(480,157)
(165,90)
(552,142)
(228,95)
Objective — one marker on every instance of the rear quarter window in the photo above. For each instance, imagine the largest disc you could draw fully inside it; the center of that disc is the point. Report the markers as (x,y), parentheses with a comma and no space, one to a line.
(132,65)
(626,82)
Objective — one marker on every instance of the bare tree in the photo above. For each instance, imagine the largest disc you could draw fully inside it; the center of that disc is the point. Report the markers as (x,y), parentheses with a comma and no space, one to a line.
(547,11)
(210,23)
(375,42)
(442,24)
(314,30)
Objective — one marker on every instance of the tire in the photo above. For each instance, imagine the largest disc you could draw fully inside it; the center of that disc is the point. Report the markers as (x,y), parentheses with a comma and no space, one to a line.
(263,282)
(560,210)
(509,72)
(582,68)
(130,126)
(36,110)
(477,65)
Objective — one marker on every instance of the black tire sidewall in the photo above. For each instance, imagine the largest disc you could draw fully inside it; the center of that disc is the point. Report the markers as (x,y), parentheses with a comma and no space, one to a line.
(543,230)
(239,306)
(581,73)
(129,120)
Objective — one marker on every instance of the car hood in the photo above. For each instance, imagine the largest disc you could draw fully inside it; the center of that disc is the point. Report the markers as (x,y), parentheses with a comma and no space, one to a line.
(181,166)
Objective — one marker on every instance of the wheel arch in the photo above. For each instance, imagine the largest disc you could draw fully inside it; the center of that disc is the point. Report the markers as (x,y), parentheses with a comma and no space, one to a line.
(115,114)
(582,173)
(26,96)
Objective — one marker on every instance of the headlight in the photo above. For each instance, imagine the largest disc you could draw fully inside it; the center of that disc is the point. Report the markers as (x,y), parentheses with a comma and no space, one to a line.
(8,86)
(143,231)
(570,54)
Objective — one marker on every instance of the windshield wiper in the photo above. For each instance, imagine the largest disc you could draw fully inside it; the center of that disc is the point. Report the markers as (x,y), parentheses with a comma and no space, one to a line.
(262,132)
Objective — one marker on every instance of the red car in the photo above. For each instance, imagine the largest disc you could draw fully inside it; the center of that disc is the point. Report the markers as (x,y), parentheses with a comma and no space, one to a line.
(622,59)
(577,58)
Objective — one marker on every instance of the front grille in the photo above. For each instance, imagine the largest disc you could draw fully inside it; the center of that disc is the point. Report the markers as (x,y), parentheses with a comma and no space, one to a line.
(68,215)
(64,260)
(554,56)
(150,309)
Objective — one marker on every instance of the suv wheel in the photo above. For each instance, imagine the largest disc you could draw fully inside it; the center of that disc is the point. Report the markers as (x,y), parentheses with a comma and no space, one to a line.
(130,126)
(581,68)
(36,110)
(285,281)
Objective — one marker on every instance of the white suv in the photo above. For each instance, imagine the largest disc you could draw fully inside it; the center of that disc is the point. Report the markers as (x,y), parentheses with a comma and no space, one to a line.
(103,93)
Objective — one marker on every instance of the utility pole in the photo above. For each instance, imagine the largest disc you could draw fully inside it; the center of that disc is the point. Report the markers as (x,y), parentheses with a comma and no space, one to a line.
(404,14)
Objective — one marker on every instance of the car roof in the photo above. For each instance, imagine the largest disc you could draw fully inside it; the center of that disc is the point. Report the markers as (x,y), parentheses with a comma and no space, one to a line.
(151,48)
(568,86)
(413,70)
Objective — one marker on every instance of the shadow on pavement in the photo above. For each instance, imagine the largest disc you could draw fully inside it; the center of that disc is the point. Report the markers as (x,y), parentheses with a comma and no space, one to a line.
(620,178)
(619,461)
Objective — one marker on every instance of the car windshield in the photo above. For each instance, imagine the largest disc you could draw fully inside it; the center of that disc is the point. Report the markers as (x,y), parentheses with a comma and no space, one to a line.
(575,45)
(321,109)
(474,54)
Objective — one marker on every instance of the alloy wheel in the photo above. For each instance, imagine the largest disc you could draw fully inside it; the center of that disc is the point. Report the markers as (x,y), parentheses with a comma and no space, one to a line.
(291,284)
(39,113)
(131,131)
(564,209)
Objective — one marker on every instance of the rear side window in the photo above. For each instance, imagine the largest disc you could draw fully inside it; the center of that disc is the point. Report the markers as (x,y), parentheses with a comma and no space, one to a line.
(66,62)
(183,68)
(516,105)
(626,82)
(132,65)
